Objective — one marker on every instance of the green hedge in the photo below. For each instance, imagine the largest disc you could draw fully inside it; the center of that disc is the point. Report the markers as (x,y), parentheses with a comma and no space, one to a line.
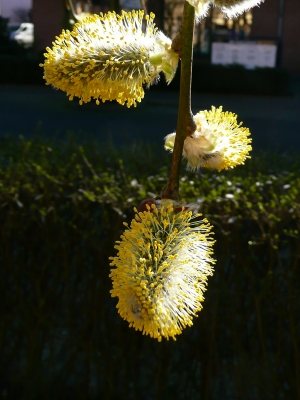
(62,206)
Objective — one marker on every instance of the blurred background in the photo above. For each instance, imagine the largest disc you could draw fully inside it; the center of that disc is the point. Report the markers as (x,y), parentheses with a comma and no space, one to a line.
(70,176)
(264,36)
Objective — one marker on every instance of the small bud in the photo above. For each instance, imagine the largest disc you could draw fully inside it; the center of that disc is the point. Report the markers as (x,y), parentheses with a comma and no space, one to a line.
(143,205)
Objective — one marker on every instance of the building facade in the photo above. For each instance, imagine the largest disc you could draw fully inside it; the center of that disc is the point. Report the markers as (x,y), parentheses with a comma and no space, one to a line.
(280,19)
(274,20)
(15,10)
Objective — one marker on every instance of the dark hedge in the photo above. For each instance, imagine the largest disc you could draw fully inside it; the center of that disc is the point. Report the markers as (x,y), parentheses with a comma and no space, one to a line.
(62,206)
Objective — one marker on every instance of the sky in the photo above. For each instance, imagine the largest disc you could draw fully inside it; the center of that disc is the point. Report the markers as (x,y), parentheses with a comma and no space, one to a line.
(7,8)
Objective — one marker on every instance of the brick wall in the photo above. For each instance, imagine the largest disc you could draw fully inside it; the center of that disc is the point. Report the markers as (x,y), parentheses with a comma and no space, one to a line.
(48,18)
(265,23)
(291,36)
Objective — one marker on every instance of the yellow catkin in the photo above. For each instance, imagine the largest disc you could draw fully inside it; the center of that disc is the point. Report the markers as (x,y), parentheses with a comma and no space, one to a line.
(109,57)
(160,274)
(231,8)
(219,142)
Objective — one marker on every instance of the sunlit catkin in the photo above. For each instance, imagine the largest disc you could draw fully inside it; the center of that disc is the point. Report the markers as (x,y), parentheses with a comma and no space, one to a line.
(161,270)
(219,142)
(231,8)
(110,57)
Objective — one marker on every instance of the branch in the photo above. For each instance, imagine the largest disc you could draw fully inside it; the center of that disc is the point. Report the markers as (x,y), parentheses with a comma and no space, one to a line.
(185,123)
(143,5)
(70,7)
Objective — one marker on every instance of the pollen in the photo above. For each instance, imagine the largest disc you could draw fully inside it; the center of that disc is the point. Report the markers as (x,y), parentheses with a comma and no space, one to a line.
(95,62)
(231,8)
(161,270)
(219,142)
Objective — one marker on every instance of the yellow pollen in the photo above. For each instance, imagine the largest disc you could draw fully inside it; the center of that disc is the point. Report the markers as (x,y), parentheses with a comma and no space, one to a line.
(161,271)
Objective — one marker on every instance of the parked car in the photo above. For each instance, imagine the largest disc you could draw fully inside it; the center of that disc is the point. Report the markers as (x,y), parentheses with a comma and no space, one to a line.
(24,34)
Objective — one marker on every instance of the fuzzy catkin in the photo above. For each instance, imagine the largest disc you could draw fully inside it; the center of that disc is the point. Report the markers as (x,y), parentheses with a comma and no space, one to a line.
(110,57)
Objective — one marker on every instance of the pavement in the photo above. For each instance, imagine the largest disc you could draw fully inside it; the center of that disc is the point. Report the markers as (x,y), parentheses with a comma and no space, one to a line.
(274,122)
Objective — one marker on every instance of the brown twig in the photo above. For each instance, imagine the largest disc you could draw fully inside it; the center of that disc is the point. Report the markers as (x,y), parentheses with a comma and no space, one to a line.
(70,7)
(143,5)
(185,123)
